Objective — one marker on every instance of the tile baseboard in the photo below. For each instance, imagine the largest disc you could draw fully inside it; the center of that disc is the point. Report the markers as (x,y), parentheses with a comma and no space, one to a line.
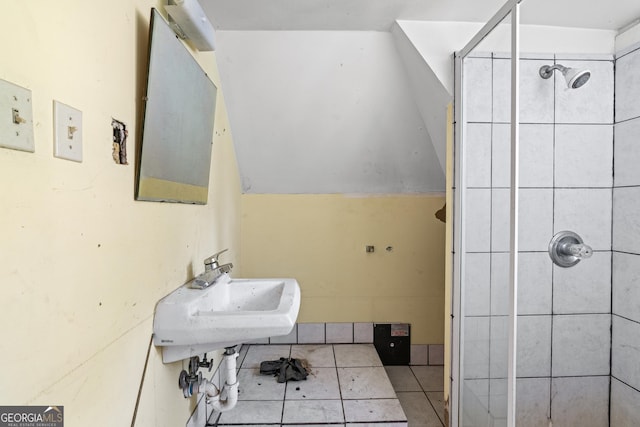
(351,333)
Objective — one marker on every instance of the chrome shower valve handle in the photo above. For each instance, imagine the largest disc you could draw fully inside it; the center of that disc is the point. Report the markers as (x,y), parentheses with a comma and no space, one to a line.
(566,249)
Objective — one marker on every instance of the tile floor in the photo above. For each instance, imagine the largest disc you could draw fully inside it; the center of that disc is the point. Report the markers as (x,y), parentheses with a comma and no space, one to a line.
(347,386)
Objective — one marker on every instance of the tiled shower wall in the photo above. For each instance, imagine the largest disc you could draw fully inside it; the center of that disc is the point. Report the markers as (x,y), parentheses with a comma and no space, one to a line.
(625,369)
(566,162)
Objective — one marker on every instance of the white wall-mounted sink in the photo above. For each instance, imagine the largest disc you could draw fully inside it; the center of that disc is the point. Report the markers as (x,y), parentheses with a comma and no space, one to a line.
(190,322)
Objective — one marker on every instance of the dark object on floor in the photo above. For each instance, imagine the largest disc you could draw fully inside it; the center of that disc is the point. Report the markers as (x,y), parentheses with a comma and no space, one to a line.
(284,369)
(393,342)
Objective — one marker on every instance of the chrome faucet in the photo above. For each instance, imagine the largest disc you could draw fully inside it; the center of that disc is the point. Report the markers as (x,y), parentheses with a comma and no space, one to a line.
(212,271)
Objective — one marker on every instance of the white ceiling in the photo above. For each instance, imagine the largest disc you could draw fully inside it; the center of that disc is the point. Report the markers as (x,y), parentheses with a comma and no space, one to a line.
(335,96)
(379,15)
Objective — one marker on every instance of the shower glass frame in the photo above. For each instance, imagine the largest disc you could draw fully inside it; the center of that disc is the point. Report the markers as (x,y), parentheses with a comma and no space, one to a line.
(510,9)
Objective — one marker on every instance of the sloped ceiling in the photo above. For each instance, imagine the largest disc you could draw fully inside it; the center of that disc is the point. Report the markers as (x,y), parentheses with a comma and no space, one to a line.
(324,112)
(330,96)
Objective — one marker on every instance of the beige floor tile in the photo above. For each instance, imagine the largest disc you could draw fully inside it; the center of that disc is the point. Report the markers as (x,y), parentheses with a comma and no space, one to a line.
(402,378)
(365,383)
(418,409)
(356,355)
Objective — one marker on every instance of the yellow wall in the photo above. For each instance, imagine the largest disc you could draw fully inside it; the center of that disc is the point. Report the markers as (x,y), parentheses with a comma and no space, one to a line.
(320,240)
(82,263)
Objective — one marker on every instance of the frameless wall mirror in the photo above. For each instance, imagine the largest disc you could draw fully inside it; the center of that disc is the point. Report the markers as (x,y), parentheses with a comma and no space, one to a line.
(174,156)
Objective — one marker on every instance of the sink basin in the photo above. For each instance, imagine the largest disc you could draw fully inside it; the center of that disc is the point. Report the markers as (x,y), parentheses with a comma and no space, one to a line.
(189,322)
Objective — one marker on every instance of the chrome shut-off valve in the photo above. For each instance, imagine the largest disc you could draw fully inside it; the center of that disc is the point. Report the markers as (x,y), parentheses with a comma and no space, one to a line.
(566,249)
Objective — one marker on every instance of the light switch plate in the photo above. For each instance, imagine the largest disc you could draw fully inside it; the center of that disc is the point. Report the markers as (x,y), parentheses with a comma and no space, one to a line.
(16,117)
(67,130)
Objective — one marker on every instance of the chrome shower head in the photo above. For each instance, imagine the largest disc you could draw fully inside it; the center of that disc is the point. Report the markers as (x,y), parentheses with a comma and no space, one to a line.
(575,78)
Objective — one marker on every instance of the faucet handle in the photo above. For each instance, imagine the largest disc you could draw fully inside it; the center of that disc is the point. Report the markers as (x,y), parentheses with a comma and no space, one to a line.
(212,261)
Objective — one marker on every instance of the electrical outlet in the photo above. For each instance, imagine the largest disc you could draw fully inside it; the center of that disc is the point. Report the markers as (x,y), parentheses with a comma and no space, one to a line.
(16,117)
(67,131)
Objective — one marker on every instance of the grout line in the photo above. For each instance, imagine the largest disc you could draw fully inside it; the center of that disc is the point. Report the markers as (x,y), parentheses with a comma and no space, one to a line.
(625,318)
(434,408)
(623,382)
(335,362)
(630,119)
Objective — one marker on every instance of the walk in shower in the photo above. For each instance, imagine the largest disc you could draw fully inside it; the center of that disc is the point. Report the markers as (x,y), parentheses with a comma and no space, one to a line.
(538,343)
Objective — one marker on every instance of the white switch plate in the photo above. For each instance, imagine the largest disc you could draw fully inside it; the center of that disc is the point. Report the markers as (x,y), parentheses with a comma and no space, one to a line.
(16,117)
(67,132)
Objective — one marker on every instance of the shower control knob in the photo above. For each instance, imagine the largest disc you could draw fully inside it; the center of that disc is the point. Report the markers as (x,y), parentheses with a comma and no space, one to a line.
(566,249)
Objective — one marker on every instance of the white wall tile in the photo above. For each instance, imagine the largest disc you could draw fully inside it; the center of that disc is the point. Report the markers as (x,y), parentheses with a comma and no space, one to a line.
(363,333)
(501,85)
(290,338)
(477,86)
(535,219)
(536,155)
(536,94)
(436,354)
(582,401)
(477,213)
(499,346)
(532,402)
(625,402)
(626,351)
(593,102)
(477,284)
(626,221)
(311,333)
(500,284)
(534,283)
(583,335)
(478,155)
(584,57)
(339,333)
(475,403)
(584,156)
(419,354)
(627,152)
(500,220)
(585,287)
(498,401)
(534,346)
(626,285)
(586,212)
(628,86)
(501,155)
(476,347)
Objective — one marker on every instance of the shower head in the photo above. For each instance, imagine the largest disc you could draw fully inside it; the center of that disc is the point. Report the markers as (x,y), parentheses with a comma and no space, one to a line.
(575,78)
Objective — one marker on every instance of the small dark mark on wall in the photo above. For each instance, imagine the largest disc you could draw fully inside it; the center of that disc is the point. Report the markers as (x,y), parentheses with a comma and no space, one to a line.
(120,134)
(442,214)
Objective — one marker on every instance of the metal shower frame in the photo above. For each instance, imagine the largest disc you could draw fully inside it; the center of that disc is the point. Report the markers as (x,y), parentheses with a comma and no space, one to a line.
(511,8)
